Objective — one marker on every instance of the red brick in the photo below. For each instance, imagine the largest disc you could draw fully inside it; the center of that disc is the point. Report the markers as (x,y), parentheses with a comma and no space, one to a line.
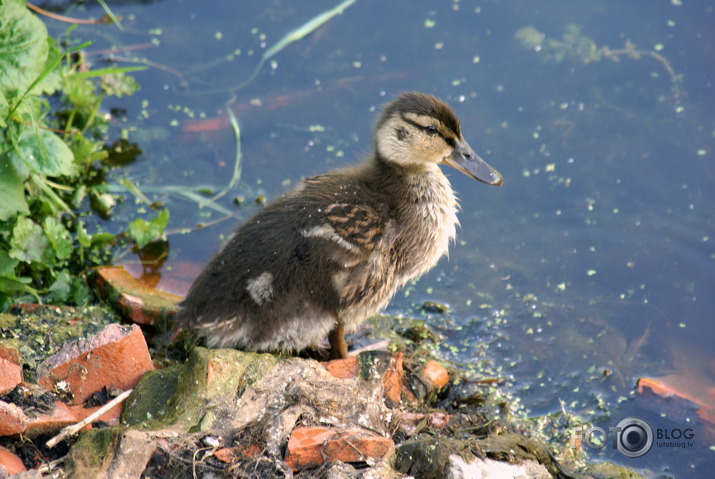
(10,352)
(392,379)
(235,454)
(116,358)
(12,419)
(343,368)
(136,300)
(42,424)
(310,447)
(391,376)
(10,464)
(435,373)
(10,375)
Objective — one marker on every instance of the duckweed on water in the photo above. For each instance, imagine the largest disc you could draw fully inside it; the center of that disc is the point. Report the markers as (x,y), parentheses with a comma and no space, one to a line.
(575,46)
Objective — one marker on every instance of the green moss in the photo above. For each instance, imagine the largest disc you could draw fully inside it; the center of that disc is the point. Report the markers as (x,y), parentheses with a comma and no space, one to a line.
(208,378)
(88,455)
(150,395)
(44,330)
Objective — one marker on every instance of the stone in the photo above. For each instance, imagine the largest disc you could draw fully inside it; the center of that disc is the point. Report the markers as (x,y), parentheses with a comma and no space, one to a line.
(114,358)
(412,423)
(187,396)
(310,447)
(488,468)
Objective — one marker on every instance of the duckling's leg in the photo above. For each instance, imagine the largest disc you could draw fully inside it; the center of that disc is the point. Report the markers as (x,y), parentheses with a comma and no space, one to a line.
(338,346)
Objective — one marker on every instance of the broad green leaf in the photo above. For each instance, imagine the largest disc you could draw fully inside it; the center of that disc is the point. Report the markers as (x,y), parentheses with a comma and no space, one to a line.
(144,232)
(80,92)
(28,242)
(86,151)
(7,265)
(13,192)
(23,47)
(60,289)
(9,286)
(44,153)
(59,237)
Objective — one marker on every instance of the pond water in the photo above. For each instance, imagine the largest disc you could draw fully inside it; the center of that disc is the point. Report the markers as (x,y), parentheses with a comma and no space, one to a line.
(593,265)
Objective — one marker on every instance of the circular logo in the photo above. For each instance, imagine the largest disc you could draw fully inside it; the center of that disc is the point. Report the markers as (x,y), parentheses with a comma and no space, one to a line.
(634,437)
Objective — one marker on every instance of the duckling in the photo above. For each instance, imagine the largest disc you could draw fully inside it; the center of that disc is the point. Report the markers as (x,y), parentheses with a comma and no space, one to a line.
(322,258)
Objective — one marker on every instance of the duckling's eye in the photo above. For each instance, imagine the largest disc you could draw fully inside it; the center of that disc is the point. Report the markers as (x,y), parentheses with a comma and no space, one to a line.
(431,130)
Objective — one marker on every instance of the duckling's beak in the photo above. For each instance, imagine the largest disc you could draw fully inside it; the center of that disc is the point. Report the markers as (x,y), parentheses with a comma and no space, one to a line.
(465,160)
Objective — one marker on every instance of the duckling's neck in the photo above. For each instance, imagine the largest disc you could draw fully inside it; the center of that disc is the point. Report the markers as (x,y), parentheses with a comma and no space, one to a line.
(425,206)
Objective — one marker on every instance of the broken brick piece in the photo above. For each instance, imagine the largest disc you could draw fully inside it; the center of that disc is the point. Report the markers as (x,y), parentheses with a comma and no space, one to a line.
(137,301)
(12,419)
(435,373)
(343,368)
(238,453)
(10,463)
(370,365)
(10,375)
(45,423)
(116,357)
(310,447)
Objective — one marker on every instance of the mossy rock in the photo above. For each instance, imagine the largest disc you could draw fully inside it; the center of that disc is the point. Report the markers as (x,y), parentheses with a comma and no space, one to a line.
(429,458)
(90,455)
(184,397)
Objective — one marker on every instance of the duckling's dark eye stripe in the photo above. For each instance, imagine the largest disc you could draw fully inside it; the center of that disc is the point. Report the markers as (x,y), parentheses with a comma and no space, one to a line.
(449,141)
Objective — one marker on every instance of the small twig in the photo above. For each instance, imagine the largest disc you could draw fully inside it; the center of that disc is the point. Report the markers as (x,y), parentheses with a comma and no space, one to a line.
(75,428)
(62,18)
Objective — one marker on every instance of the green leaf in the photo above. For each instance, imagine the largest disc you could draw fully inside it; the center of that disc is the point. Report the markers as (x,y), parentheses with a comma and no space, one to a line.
(80,92)
(44,153)
(84,238)
(86,151)
(60,290)
(7,265)
(8,286)
(119,84)
(13,192)
(23,47)
(59,237)
(4,109)
(28,242)
(144,232)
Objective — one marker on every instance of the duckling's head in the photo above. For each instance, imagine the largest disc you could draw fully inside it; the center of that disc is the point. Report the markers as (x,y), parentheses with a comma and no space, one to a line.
(416,130)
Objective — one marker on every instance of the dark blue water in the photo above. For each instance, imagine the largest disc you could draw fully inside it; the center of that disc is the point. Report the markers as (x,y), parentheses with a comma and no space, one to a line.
(594,264)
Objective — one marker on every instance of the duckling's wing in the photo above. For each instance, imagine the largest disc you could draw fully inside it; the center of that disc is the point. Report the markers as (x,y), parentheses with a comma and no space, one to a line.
(359,225)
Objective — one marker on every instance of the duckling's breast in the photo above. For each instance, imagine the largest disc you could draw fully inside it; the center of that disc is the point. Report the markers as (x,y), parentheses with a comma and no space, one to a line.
(428,220)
